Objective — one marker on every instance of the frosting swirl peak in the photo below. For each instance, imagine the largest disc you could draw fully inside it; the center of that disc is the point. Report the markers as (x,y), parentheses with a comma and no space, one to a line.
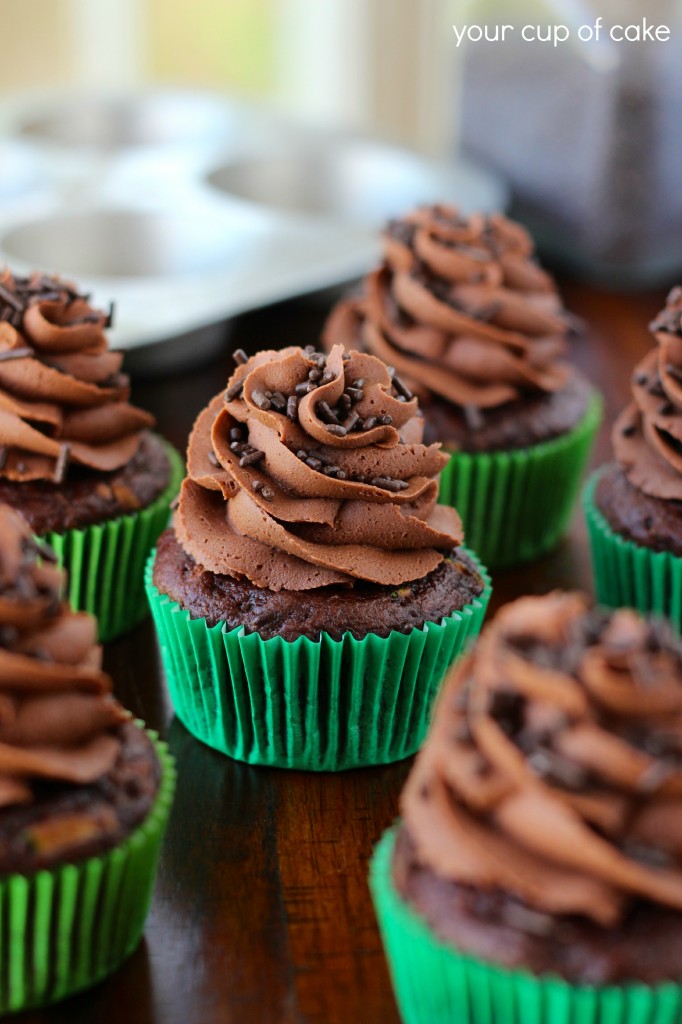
(461,308)
(63,398)
(57,715)
(553,770)
(310,471)
(647,436)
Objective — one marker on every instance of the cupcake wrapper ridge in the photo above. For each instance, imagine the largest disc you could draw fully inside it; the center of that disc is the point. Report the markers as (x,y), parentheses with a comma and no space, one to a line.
(435,984)
(517,505)
(105,562)
(323,705)
(68,927)
(627,574)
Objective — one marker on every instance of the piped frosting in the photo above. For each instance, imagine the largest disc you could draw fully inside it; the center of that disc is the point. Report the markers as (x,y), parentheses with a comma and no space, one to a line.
(462,310)
(310,471)
(647,436)
(63,398)
(553,769)
(57,716)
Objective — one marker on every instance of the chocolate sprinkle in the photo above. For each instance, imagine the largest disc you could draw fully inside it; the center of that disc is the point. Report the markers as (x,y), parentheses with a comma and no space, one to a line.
(62,463)
(251,457)
(402,388)
(240,357)
(292,408)
(473,417)
(387,483)
(234,390)
(325,413)
(261,401)
(15,353)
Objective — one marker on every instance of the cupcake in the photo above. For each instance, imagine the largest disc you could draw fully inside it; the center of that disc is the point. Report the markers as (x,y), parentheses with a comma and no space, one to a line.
(633,505)
(536,874)
(311,592)
(77,460)
(473,326)
(84,791)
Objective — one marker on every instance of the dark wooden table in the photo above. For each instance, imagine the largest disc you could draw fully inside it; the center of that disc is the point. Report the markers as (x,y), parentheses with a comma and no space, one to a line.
(262,913)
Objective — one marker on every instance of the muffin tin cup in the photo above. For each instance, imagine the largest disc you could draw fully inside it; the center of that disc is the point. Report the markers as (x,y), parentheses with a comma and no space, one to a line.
(105,562)
(435,984)
(517,505)
(627,574)
(66,928)
(324,705)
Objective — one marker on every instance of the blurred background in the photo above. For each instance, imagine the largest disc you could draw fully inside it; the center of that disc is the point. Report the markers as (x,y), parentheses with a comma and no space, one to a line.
(196,160)
(379,66)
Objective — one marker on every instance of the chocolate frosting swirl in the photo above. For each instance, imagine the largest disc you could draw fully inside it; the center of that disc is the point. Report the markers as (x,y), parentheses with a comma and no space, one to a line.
(647,436)
(57,715)
(63,398)
(460,307)
(310,471)
(553,769)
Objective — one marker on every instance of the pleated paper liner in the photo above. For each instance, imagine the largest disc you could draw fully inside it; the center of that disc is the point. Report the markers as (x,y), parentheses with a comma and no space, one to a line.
(64,929)
(105,562)
(323,705)
(517,505)
(435,984)
(627,574)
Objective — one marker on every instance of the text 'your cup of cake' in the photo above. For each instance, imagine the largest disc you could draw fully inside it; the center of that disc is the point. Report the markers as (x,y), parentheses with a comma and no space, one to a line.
(536,872)
(312,593)
(76,458)
(475,327)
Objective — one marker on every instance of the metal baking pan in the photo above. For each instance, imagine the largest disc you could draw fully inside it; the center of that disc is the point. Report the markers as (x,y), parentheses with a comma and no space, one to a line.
(187,208)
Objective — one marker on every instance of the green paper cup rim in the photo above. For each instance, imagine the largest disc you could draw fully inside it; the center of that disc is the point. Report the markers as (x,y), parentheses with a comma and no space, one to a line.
(598,520)
(517,504)
(478,603)
(68,926)
(588,422)
(105,561)
(153,820)
(163,499)
(307,704)
(389,904)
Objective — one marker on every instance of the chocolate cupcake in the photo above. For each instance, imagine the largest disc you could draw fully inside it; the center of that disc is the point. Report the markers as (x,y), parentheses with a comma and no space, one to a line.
(477,330)
(84,791)
(634,504)
(76,458)
(312,593)
(538,863)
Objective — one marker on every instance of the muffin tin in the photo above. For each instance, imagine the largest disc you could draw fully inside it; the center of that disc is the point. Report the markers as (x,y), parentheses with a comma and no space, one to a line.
(188,208)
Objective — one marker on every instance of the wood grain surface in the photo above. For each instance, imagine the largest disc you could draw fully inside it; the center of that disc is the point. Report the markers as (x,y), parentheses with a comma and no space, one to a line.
(262,913)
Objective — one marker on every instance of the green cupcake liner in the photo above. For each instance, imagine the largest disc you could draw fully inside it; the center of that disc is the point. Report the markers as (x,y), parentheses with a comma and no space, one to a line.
(105,563)
(323,705)
(627,574)
(435,984)
(66,928)
(517,505)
